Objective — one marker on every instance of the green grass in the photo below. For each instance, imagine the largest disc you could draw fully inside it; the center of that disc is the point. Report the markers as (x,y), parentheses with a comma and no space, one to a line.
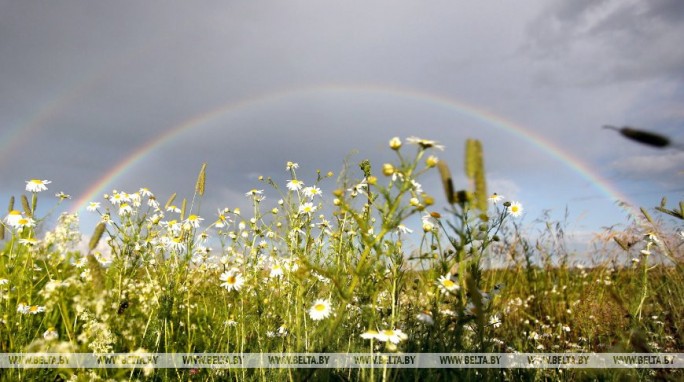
(164,280)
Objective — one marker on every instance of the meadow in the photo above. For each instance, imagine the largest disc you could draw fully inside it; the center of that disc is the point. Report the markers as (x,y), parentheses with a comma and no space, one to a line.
(321,272)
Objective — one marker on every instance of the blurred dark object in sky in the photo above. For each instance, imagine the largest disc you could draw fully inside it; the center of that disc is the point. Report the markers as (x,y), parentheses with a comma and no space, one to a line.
(641,136)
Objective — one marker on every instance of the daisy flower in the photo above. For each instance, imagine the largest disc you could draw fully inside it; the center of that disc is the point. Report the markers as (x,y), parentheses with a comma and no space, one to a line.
(175,244)
(428,222)
(359,188)
(276,271)
(35,309)
(145,192)
(62,196)
(515,209)
(29,242)
(25,222)
(392,335)
(119,197)
(320,310)
(93,206)
(125,209)
(50,334)
(295,185)
(495,321)
(370,335)
(291,166)
(22,308)
(193,221)
(404,229)
(36,185)
(152,202)
(425,317)
(447,284)
(254,192)
(312,191)
(232,280)
(173,208)
(424,143)
(307,208)
(495,198)
(13,218)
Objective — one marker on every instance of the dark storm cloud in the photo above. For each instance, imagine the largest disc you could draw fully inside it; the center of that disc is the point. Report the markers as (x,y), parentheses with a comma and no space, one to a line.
(590,42)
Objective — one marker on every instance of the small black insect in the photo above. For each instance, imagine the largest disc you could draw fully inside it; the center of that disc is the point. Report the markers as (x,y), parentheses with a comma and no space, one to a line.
(641,136)
(122,307)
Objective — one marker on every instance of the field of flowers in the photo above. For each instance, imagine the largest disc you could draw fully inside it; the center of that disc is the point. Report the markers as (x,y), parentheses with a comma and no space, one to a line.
(324,272)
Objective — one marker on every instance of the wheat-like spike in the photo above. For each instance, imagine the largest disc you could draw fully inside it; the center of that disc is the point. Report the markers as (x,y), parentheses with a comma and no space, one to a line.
(201,180)
(97,235)
(10,207)
(171,199)
(447,181)
(183,207)
(26,206)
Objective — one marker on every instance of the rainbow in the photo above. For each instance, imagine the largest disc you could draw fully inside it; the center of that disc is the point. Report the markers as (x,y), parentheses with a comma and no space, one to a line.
(473,112)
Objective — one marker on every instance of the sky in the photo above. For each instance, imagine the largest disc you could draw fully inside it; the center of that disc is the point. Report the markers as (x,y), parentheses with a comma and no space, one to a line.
(98,96)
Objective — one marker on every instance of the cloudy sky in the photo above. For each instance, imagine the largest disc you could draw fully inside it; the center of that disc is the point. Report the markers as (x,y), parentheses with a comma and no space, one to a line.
(148,91)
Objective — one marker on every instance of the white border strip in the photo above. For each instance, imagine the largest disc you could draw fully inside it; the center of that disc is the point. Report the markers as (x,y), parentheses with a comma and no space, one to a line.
(342,360)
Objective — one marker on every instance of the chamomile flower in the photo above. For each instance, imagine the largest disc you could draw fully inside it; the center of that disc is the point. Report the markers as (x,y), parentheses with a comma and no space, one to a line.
(22,308)
(276,271)
(495,321)
(35,309)
(392,335)
(295,185)
(50,334)
(29,241)
(291,166)
(425,317)
(447,284)
(13,218)
(495,198)
(404,229)
(125,209)
(36,185)
(119,197)
(93,206)
(515,209)
(428,222)
(370,335)
(175,244)
(25,222)
(359,188)
(320,310)
(145,192)
(395,143)
(254,193)
(232,280)
(62,196)
(173,208)
(193,221)
(152,202)
(307,208)
(312,192)
(424,143)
